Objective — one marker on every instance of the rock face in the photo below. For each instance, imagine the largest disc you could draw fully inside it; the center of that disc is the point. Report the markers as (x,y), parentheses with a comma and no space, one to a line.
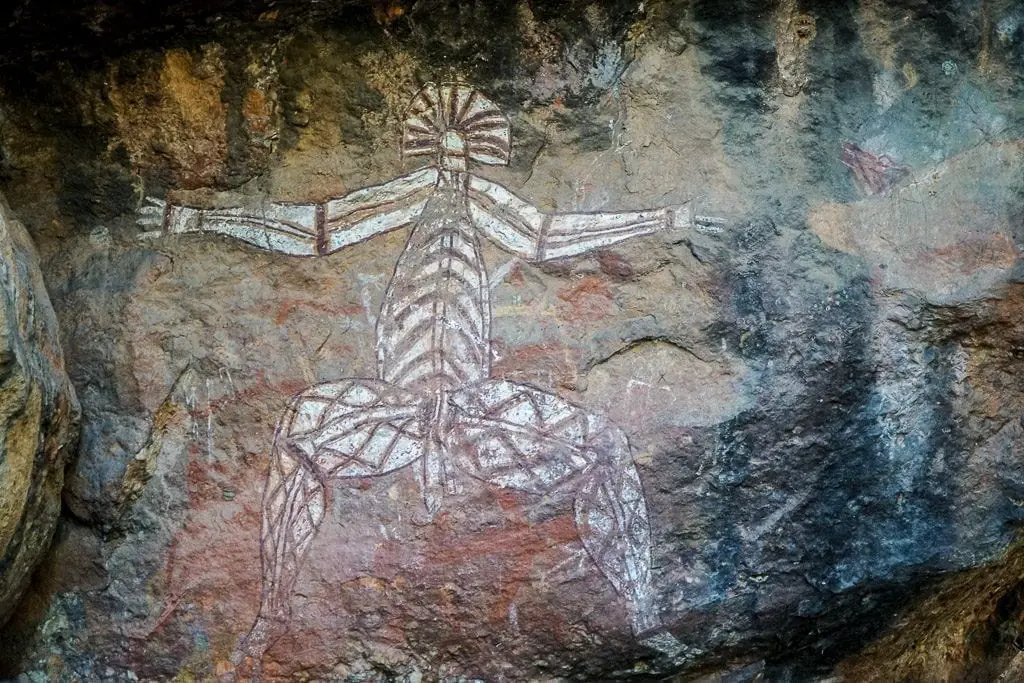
(39,414)
(821,401)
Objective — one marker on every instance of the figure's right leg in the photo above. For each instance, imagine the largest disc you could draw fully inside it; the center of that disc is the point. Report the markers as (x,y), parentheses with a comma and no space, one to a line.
(292,509)
(336,430)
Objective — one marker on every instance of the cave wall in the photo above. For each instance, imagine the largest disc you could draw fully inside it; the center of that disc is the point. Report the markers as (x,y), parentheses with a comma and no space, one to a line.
(821,400)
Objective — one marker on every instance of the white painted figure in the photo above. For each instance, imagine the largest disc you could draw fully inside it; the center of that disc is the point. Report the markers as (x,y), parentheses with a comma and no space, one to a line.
(434,405)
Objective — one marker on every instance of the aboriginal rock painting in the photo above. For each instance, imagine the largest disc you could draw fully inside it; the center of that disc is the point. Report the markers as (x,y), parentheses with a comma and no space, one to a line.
(434,405)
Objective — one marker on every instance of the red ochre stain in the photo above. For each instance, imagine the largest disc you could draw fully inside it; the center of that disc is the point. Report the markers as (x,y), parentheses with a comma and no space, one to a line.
(978,251)
(588,285)
(510,503)
(546,365)
(213,563)
(258,391)
(515,275)
(510,549)
(202,485)
(345,310)
(615,265)
(589,299)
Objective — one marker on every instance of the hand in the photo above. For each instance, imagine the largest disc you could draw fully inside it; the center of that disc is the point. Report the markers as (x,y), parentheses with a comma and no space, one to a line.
(150,217)
(157,218)
(686,216)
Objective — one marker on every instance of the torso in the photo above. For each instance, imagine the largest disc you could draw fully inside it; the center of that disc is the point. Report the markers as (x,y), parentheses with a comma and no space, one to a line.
(433,334)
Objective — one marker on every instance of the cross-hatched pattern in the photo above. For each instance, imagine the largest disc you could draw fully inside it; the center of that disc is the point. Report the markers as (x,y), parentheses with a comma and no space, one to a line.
(527,439)
(517,436)
(293,507)
(611,514)
(349,428)
(354,428)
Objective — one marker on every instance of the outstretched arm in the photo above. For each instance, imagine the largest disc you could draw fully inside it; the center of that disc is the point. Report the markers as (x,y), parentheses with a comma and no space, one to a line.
(538,236)
(304,229)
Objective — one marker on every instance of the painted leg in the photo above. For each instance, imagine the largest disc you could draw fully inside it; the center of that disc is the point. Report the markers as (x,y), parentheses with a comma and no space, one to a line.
(611,515)
(337,430)
(519,437)
(293,508)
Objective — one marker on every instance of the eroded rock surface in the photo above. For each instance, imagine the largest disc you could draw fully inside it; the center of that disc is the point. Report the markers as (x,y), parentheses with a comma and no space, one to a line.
(38,414)
(822,401)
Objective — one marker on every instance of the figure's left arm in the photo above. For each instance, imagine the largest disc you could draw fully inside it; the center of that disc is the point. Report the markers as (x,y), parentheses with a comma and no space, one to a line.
(535,235)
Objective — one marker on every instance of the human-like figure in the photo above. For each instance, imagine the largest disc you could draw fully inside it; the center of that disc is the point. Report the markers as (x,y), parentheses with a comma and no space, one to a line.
(434,406)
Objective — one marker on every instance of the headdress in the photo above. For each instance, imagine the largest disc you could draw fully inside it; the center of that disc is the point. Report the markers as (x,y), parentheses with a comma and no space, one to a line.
(455,120)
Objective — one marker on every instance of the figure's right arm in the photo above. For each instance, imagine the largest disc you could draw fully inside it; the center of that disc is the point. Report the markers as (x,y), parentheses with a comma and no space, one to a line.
(303,229)
(285,228)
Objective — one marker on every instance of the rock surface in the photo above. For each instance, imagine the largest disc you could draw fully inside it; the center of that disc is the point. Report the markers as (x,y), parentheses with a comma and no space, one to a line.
(823,401)
(38,414)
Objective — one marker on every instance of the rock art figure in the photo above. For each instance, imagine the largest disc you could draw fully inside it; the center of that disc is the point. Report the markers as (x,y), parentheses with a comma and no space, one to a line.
(434,405)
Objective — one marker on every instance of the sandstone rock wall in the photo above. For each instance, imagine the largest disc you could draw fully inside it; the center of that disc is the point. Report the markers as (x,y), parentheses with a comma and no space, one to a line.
(822,401)
(38,414)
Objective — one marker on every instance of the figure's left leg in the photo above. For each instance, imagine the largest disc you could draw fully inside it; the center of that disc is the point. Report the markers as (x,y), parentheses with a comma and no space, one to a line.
(523,438)
(611,514)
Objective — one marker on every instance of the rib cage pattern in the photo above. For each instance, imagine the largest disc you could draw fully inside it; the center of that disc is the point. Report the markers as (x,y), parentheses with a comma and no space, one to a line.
(433,332)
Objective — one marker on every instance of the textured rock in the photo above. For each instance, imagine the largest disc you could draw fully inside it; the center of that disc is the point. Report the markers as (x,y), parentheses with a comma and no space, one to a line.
(38,414)
(822,402)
